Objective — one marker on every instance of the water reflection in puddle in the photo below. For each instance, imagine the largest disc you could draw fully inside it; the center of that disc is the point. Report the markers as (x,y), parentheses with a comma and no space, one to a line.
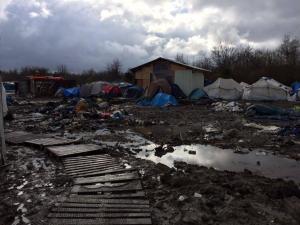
(269,165)
(220,159)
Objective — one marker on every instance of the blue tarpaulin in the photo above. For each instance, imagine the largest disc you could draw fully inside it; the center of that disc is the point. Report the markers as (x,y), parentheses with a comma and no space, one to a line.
(296,87)
(159,100)
(72,92)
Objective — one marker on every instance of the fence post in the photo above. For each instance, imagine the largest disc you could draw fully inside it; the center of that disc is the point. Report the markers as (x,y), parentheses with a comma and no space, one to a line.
(3,147)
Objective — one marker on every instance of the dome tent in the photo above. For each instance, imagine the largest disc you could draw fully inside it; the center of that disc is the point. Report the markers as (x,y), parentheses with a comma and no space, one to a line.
(266,89)
(227,89)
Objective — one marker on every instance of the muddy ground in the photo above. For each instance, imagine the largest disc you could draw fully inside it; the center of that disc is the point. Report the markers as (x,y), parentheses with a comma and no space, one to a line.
(185,194)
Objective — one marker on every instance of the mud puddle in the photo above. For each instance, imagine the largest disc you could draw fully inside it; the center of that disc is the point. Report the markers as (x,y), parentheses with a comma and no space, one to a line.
(258,162)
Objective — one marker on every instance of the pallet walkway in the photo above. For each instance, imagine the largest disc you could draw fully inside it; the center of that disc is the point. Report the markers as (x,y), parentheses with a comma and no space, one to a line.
(19,137)
(104,192)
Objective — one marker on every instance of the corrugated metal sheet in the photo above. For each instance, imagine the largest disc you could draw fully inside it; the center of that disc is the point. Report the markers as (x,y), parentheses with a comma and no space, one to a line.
(188,81)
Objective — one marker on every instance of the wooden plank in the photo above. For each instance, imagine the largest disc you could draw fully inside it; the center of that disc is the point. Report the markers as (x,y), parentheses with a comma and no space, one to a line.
(107,178)
(98,205)
(130,186)
(19,137)
(100,215)
(88,162)
(138,194)
(51,141)
(63,151)
(92,171)
(97,210)
(123,221)
(92,167)
(110,171)
(104,201)
(88,165)
(102,156)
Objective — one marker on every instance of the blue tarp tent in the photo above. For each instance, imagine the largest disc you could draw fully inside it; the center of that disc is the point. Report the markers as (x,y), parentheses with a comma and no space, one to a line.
(159,100)
(197,94)
(72,92)
(295,87)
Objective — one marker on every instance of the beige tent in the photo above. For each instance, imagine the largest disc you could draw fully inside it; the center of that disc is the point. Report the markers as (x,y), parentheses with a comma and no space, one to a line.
(266,89)
(227,89)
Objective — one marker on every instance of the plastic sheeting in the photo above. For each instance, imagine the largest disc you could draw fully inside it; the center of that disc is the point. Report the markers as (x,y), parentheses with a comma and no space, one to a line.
(227,89)
(197,94)
(111,91)
(160,100)
(72,92)
(295,87)
(134,92)
(266,89)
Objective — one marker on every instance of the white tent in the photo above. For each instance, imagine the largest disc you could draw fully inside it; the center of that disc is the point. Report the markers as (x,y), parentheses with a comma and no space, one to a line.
(266,89)
(227,89)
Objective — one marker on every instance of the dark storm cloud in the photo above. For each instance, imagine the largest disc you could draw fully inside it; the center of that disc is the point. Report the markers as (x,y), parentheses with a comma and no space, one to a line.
(90,34)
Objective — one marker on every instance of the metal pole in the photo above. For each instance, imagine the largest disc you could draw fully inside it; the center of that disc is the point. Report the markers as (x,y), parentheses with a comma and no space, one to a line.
(3,147)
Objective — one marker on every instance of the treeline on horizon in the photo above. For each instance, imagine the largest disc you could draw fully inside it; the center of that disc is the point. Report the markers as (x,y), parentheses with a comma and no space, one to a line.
(247,64)
(241,63)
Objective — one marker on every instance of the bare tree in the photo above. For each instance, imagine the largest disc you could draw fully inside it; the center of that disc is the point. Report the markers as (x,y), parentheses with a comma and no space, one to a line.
(289,50)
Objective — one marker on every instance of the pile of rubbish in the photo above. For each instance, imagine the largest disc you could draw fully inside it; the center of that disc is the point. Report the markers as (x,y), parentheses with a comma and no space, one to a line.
(88,114)
(228,107)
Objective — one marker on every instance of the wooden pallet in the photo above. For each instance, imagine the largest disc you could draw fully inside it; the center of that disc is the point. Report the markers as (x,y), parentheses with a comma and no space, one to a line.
(71,150)
(20,137)
(104,193)
(50,141)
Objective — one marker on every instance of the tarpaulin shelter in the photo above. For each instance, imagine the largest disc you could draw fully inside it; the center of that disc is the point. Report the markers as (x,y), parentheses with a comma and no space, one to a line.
(295,87)
(71,92)
(266,89)
(197,94)
(111,91)
(160,85)
(97,87)
(134,92)
(227,89)
(159,100)
(85,90)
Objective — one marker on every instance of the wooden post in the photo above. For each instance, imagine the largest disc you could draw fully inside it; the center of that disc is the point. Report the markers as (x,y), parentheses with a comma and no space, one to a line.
(3,147)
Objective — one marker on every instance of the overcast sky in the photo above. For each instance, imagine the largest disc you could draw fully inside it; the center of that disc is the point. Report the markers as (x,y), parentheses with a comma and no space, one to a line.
(85,34)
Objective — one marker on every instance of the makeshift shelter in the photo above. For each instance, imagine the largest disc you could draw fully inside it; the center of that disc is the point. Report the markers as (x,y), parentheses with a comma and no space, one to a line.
(85,90)
(160,85)
(71,92)
(177,92)
(227,89)
(296,88)
(197,94)
(97,87)
(159,100)
(187,77)
(266,89)
(134,92)
(111,91)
